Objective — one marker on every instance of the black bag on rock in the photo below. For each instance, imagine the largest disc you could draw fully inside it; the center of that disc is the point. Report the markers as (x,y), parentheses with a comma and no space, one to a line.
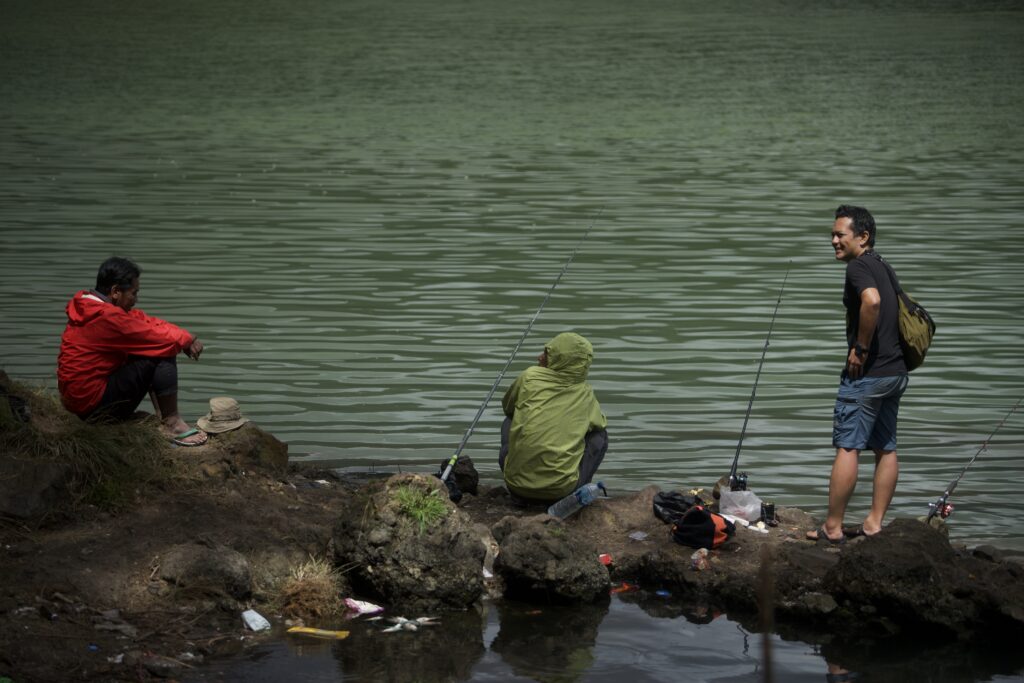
(699,528)
(670,506)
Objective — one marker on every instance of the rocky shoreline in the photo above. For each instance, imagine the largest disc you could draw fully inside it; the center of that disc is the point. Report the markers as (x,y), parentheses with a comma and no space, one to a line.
(157,587)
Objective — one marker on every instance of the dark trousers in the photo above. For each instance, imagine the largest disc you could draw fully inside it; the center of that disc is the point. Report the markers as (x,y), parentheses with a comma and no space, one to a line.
(130,383)
(595,445)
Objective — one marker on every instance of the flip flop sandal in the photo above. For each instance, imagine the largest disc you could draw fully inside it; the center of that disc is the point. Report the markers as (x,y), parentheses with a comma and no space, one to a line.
(180,439)
(821,537)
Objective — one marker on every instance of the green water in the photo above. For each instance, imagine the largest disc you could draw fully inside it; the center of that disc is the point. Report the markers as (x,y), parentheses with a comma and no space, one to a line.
(358,206)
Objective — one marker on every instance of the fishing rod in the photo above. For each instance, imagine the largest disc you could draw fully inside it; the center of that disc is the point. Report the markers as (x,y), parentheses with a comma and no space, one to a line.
(472,425)
(738,482)
(942,507)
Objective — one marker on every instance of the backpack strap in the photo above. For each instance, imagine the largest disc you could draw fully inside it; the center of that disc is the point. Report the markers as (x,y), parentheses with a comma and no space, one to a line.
(911,306)
(913,309)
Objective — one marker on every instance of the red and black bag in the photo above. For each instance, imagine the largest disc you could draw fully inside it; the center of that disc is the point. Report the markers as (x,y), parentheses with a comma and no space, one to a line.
(699,528)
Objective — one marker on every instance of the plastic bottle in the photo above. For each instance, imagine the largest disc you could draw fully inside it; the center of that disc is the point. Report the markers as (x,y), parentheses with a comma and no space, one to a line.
(579,498)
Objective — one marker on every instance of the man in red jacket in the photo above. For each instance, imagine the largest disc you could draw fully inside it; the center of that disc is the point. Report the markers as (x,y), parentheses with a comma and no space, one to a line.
(112,354)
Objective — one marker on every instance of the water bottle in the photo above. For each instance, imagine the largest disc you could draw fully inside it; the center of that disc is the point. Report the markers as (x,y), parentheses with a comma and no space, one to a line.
(579,498)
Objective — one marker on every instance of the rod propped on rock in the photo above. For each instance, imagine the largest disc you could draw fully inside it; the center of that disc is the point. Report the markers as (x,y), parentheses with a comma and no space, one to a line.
(738,482)
(941,507)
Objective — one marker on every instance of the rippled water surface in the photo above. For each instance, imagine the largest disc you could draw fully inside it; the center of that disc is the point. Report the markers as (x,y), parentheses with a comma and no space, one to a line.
(359,206)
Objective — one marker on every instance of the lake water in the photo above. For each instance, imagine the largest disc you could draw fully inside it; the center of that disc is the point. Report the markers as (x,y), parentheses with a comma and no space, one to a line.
(359,206)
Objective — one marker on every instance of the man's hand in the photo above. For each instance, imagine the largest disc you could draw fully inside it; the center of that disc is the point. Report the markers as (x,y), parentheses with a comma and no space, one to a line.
(194,349)
(854,364)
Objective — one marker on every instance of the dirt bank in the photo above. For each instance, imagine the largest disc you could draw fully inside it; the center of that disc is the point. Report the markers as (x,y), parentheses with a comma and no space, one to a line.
(152,581)
(88,590)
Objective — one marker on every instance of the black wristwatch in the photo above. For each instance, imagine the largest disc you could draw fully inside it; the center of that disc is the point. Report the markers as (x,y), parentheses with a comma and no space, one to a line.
(860,350)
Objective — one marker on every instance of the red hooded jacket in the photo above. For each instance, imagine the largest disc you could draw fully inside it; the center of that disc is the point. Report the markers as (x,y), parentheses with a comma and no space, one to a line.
(97,341)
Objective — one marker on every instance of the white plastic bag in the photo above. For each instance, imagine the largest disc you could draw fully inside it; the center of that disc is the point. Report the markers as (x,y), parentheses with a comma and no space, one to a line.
(359,607)
(743,504)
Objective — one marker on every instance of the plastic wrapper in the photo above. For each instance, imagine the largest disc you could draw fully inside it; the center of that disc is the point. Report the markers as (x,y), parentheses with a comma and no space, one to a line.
(743,504)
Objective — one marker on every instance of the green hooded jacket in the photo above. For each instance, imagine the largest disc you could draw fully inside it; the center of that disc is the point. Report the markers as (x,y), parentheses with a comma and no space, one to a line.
(552,409)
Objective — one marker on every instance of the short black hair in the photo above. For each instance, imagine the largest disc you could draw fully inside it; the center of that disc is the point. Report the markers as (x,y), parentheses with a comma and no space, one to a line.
(116,271)
(862,221)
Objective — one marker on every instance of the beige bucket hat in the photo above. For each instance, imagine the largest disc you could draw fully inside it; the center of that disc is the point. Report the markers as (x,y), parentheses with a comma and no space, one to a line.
(224,416)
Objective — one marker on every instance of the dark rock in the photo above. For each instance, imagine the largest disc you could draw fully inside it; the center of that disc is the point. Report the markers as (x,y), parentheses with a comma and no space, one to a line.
(910,575)
(162,667)
(799,569)
(203,568)
(14,409)
(541,561)
(248,446)
(31,488)
(903,572)
(794,517)
(988,552)
(466,476)
(667,567)
(434,567)
(215,470)
(817,603)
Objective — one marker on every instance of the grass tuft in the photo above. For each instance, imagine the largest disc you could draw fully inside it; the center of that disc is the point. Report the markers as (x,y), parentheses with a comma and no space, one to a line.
(425,509)
(312,590)
(107,462)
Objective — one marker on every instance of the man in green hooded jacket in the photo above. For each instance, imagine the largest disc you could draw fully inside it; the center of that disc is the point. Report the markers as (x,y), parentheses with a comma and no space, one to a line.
(555,435)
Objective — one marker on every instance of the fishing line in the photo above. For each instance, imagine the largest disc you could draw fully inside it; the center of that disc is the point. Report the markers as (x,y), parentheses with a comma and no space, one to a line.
(739,482)
(942,507)
(472,425)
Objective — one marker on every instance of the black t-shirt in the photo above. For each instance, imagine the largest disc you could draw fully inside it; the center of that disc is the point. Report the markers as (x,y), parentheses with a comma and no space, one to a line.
(885,357)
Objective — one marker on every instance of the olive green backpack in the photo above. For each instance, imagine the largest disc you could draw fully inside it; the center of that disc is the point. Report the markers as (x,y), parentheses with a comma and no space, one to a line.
(916,325)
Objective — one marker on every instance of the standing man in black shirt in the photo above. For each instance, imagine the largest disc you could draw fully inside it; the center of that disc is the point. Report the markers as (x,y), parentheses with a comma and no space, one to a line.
(873,380)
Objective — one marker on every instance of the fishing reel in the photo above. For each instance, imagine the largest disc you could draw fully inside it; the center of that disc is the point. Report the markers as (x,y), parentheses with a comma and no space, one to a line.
(738,482)
(942,509)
